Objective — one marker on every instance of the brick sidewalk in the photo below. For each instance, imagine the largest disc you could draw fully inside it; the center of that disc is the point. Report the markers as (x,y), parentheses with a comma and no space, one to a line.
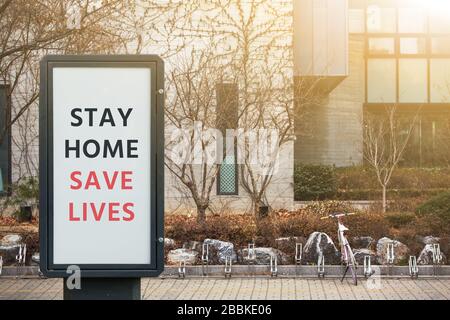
(247,288)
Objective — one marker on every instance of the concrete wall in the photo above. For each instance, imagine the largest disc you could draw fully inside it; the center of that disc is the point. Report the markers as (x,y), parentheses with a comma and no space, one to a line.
(280,192)
(25,153)
(335,134)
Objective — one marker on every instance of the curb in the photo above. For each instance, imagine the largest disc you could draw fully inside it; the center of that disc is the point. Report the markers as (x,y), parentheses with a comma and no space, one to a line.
(302,271)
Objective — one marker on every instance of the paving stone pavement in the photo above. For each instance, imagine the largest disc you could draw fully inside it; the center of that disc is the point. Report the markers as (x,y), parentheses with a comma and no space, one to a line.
(247,288)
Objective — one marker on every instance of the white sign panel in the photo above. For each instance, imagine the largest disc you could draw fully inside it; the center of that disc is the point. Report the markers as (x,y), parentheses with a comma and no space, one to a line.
(101,173)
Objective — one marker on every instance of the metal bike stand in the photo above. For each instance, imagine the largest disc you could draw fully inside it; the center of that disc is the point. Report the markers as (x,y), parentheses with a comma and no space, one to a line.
(390,256)
(413,268)
(437,259)
(1,265)
(367,267)
(205,259)
(40,274)
(298,256)
(273,266)
(321,266)
(298,253)
(228,263)
(21,258)
(182,269)
(251,256)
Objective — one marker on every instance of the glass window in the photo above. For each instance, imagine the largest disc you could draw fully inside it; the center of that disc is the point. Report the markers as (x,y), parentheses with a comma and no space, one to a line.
(439,17)
(413,80)
(227,176)
(5,159)
(381,46)
(356,20)
(381,82)
(411,20)
(413,45)
(440,80)
(440,45)
(227,95)
(381,20)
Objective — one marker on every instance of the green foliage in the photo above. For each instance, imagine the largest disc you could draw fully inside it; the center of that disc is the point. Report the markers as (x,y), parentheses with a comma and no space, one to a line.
(438,206)
(375,194)
(26,191)
(314,182)
(399,219)
(420,179)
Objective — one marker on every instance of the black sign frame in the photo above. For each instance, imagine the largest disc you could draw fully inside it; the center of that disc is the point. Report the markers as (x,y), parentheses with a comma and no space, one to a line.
(156,65)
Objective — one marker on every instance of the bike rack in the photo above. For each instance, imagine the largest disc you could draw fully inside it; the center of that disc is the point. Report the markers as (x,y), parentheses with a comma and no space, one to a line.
(228,264)
(182,269)
(298,253)
(205,259)
(413,268)
(21,258)
(437,258)
(321,266)
(1,265)
(273,266)
(251,256)
(367,267)
(390,256)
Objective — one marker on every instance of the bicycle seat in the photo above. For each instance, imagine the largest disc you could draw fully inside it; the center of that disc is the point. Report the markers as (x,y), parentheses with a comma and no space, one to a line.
(341,214)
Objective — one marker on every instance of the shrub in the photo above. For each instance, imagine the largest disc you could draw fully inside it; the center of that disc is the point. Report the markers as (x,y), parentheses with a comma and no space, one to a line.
(399,219)
(438,207)
(363,178)
(238,229)
(242,229)
(323,208)
(375,194)
(314,182)
(318,182)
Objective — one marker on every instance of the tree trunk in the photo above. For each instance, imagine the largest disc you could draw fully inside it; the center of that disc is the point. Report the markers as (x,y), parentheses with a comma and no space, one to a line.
(256,203)
(201,214)
(384,200)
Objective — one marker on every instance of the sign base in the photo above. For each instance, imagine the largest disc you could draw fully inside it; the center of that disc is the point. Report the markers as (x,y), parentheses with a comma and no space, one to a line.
(105,289)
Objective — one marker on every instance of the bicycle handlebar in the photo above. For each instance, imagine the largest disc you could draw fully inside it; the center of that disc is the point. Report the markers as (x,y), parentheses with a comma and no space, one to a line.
(337,215)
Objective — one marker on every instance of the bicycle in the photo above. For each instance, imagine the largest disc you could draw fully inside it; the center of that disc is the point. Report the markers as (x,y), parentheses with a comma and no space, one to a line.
(347,256)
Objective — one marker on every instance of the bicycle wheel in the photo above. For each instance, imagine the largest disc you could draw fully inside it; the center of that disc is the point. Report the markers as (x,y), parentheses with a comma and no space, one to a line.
(352,265)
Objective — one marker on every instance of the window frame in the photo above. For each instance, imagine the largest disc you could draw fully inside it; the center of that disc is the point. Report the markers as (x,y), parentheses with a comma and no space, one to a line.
(428,55)
(7,186)
(219,192)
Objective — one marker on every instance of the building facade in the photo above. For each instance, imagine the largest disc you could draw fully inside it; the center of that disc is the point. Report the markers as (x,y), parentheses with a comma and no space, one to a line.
(347,58)
(397,55)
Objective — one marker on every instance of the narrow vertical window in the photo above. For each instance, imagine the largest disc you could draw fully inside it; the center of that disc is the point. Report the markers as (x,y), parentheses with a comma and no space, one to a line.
(227,119)
(5,143)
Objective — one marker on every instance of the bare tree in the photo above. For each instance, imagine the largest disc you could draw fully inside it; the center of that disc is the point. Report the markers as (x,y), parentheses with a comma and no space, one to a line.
(253,42)
(259,54)
(190,113)
(385,137)
(31,29)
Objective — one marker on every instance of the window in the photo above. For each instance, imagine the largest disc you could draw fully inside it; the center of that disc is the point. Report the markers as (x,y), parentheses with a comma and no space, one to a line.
(381,46)
(381,80)
(440,80)
(413,46)
(413,80)
(5,144)
(439,18)
(227,118)
(381,20)
(356,20)
(440,45)
(411,20)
